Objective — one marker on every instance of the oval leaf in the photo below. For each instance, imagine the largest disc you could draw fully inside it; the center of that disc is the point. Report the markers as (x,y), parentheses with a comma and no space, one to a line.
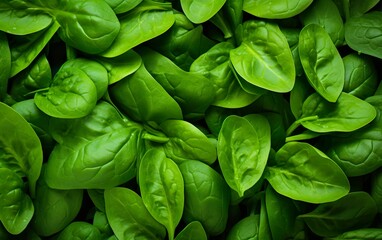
(199,11)
(275,9)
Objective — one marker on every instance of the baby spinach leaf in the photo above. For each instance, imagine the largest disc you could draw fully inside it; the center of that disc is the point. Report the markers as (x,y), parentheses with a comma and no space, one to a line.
(5,65)
(121,66)
(128,216)
(162,189)
(275,9)
(25,49)
(199,11)
(215,65)
(89,26)
(38,75)
(326,14)
(243,147)
(321,61)
(94,70)
(95,167)
(358,8)
(141,25)
(353,211)
(54,209)
(16,18)
(246,228)
(359,152)
(302,172)
(72,94)
(144,99)
(361,77)
(349,113)
(263,57)
(187,142)
(193,92)
(122,6)
(282,214)
(205,189)
(16,207)
(376,188)
(20,148)
(363,33)
(193,230)
(80,230)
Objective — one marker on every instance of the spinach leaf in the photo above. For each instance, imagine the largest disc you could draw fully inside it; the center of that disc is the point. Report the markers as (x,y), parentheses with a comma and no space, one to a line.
(193,92)
(121,66)
(275,9)
(215,65)
(326,14)
(358,153)
(72,94)
(80,230)
(264,58)
(16,18)
(16,207)
(187,142)
(94,70)
(243,147)
(199,11)
(128,216)
(193,230)
(25,49)
(5,65)
(38,75)
(140,25)
(321,61)
(20,148)
(363,33)
(204,188)
(349,113)
(302,172)
(361,77)
(358,8)
(144,99)
(376,188)
(162,189)
(54,209)
(353,211)
(96,167)
(246,228)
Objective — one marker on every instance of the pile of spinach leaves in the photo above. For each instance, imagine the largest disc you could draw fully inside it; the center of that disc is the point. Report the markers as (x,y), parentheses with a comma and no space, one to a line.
(190,119)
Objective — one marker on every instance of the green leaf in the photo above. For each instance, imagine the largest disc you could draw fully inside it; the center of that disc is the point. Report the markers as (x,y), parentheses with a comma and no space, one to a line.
(193,230)
(264,58)
(16,18)
(122,6)
(275,9)
(72,94)
(363,34)
(363,233)
(16,207)
(5,65)
(302,172)
(243,147)
(187,142)
(199,11)
(144,99)
(20,148)
(353,211)
(205,189)
(162,189)
(321,61)
(128,216)
(349,113)
(80,230)
(121,66)
(141,25)
(246,228)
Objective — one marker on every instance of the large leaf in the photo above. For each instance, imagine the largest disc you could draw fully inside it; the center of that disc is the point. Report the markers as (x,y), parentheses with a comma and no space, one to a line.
(199,11)
(264,58)
(162,189)
(304,173)
(275,9)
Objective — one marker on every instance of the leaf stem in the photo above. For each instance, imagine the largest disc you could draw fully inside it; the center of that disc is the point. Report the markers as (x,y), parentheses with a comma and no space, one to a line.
(302,136)
(298,122)
(153,138)
(36,91)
